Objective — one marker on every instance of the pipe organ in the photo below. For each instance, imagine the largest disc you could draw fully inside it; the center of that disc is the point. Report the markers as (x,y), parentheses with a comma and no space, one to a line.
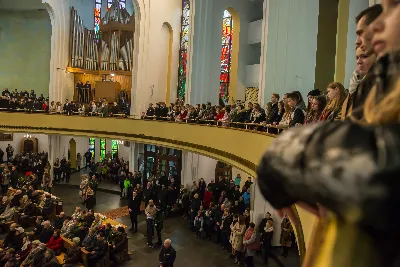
(111,51)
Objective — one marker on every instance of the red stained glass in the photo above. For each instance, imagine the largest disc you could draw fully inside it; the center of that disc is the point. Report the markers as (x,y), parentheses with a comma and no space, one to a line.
(226,57)
(185,27)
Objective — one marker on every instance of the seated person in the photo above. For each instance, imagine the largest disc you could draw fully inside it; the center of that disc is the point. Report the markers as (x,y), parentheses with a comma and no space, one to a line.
(90,238)
(7,215)
(67,225)
(46,232)
(3,204)
(7,256)
(38,226)
(119,251)
(28,212)
(55,243)
(26,248)
(34,250)
(73,255)
(98,251)
(10,235)
(58,222)
(89,219)
(49,259)
(47,209)
(15,241)
(115,109)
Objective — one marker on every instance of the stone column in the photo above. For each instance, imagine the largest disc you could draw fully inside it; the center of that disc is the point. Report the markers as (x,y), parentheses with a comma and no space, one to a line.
(290,38)
(54,150)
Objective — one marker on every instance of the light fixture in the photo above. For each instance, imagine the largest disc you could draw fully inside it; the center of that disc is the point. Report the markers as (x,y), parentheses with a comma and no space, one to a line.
(27,136)
(112,74)
(120,142)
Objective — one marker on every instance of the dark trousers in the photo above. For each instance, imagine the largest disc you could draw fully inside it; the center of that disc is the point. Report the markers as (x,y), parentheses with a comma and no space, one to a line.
(4,188)
(285,251)
(150,231)
(67,177)
(133,216)
(225,238)
(159,238)
(92,260)
(249,261)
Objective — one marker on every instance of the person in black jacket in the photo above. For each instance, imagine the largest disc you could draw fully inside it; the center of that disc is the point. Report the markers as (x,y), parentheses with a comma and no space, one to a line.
(119,251)
(273,115)
(13,176)
(167,254)
(298,116)
(134,210)
(46,232)
(194,207)
(226,229)
(98,251)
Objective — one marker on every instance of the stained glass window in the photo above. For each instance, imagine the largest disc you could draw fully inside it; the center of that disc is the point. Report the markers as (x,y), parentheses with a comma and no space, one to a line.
(102,149)
(97,18)
(92,146)
(114,148)
(226,57)
(183,57)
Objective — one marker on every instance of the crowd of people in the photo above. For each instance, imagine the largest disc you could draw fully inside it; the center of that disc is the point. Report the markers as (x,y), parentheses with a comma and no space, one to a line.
(350,167)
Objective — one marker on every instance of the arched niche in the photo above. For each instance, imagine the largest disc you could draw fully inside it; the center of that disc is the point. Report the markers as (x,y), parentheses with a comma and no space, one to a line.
(165,61)
(29,145)
(72,153)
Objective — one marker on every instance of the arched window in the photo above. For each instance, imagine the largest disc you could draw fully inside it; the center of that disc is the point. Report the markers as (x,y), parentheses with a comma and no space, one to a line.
(114,148)
(102,149)
(92,146)
(97,18)
(185,25)
(226,58)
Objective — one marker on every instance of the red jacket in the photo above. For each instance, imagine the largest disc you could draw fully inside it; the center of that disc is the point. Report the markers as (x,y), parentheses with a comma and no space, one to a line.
(207,198)
(55,244)
(220,115)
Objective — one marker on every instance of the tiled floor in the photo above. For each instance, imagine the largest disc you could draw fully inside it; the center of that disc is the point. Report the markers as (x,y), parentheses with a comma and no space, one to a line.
(191,252)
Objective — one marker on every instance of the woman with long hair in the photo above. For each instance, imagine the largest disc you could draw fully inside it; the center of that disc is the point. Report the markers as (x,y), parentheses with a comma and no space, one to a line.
(318,104)
(336,96)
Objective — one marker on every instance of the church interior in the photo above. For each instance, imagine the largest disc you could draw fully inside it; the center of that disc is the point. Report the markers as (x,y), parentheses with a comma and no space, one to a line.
(198,132)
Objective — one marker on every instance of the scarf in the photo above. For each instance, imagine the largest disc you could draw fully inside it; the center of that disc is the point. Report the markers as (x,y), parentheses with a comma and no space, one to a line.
(355,80)
(25,245)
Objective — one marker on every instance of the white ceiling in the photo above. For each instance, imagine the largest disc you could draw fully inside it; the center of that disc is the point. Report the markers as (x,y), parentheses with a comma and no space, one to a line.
(21,5)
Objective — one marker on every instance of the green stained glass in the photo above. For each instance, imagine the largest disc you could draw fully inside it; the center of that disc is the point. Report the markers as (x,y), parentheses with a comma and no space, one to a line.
(92,146)
(114,148)
(102,149)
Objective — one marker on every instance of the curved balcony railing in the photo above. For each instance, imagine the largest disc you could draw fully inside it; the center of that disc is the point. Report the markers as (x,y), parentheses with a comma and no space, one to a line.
(241,146)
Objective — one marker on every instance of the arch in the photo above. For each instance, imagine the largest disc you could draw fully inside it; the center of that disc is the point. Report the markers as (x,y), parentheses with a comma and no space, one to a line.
(232,79)
(72,152)
(167,27)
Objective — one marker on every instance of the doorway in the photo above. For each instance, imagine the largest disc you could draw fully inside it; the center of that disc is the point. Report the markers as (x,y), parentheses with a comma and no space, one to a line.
(161,161)
(72,149)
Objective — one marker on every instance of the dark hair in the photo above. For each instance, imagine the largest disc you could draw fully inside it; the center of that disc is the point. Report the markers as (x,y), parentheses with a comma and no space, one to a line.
(299,95)
(101,234)
(371,14)
(252,225)
(276,95)
(295,97)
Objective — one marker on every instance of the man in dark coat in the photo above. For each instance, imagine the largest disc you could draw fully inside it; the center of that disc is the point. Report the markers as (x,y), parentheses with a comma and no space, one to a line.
(46,232)
(167,254)
(134,210)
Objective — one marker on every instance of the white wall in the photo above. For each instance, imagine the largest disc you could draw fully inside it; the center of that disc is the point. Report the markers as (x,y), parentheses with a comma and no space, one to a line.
(291,45)
(252,75)
(158,12)
(43,144)
(255,31)
(207,29)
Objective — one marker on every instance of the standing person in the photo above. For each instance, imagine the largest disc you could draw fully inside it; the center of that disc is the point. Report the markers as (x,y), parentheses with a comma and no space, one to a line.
(286,236)
(127,184)
(4,181)
(167,254)
(88,157)
(159,225)
(250,244)
(78,161)
(266,239)
(57,170)
(10,152)
(14,177)
(67,171)
(238,231)
(47,181)
(90,199)
(238,180)
(134,210)
(1,155)
(88,87)
(79,91)
(150,212)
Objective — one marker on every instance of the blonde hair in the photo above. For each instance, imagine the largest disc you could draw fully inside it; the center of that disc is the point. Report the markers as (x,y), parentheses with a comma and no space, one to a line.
(386,110)
(338,100)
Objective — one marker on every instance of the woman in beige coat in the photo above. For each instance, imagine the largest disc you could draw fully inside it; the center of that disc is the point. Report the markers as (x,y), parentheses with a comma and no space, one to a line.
(238,231)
